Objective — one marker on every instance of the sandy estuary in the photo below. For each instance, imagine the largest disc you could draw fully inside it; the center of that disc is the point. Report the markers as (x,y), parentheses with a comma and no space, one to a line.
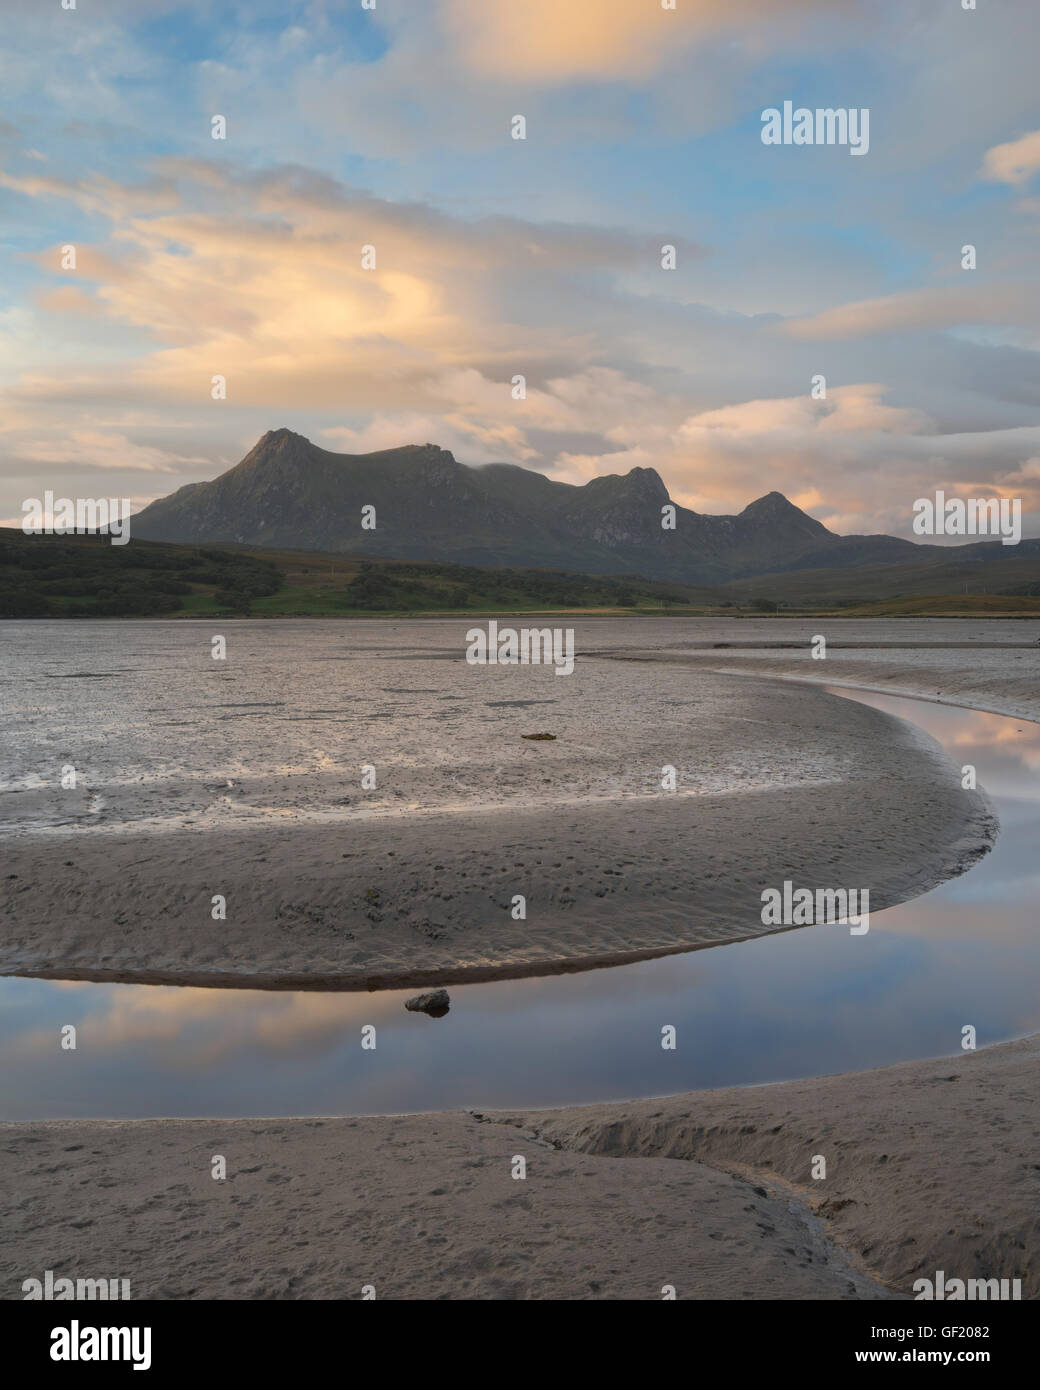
(773,1044)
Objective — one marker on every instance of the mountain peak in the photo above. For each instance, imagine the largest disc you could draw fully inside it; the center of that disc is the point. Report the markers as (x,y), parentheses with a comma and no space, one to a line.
(648,480)
(644,483)
(280,445)
(277,436)
(774,506)
(772,503)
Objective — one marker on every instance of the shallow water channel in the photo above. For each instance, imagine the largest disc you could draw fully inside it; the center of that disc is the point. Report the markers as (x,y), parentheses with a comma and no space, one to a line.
(802,1003)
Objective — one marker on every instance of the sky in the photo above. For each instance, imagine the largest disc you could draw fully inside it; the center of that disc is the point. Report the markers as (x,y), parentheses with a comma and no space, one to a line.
(391,127)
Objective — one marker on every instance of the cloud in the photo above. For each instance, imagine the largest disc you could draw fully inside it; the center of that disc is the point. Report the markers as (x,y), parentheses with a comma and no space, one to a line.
(818,447)
(95,193)
(105,449)
(846,410)
(496,258)
(69,299)
(1014,162)
(1027,473)
(260,279)
(838,457)
(462,434)
(552,42)
(935,307)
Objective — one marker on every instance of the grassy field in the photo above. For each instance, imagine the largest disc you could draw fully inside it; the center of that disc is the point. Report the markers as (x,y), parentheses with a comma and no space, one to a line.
(949,606)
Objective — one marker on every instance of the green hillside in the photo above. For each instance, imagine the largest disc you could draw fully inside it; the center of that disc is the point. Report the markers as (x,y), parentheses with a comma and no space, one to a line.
(87,576)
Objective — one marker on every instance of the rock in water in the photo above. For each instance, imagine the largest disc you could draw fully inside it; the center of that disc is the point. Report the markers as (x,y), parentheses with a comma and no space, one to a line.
(436,1003)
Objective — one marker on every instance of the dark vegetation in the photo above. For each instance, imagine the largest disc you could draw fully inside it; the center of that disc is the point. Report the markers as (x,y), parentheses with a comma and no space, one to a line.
(88,576)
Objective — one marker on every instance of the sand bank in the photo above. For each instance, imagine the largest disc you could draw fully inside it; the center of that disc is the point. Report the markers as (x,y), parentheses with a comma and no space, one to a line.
(774,783)
(930,1165)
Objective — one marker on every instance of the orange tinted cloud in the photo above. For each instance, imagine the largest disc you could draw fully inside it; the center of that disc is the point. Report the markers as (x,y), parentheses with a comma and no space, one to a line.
(262,280)
(563,40)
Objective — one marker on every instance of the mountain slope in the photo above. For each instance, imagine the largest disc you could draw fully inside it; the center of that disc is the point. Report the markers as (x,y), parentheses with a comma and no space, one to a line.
(289,493)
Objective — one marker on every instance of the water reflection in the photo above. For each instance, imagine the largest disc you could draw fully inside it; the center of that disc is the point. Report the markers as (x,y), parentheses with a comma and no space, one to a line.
(799,1004)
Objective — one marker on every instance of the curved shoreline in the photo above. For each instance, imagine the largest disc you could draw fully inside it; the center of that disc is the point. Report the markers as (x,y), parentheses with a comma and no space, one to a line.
(1031,718)
(930,1167)
(1011,688)
(607,882)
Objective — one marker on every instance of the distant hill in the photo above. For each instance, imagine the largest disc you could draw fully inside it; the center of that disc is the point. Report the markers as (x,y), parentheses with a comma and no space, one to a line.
(985,567)
(287,493)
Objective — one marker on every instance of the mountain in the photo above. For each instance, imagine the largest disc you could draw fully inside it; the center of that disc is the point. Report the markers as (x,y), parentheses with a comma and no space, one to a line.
(288,493)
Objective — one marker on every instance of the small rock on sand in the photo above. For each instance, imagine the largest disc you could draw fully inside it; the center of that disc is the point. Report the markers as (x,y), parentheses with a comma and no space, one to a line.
(436,1003)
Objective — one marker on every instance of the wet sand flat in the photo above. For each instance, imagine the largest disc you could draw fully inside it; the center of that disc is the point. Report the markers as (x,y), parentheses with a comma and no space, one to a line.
(774,783)
(930,1165)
